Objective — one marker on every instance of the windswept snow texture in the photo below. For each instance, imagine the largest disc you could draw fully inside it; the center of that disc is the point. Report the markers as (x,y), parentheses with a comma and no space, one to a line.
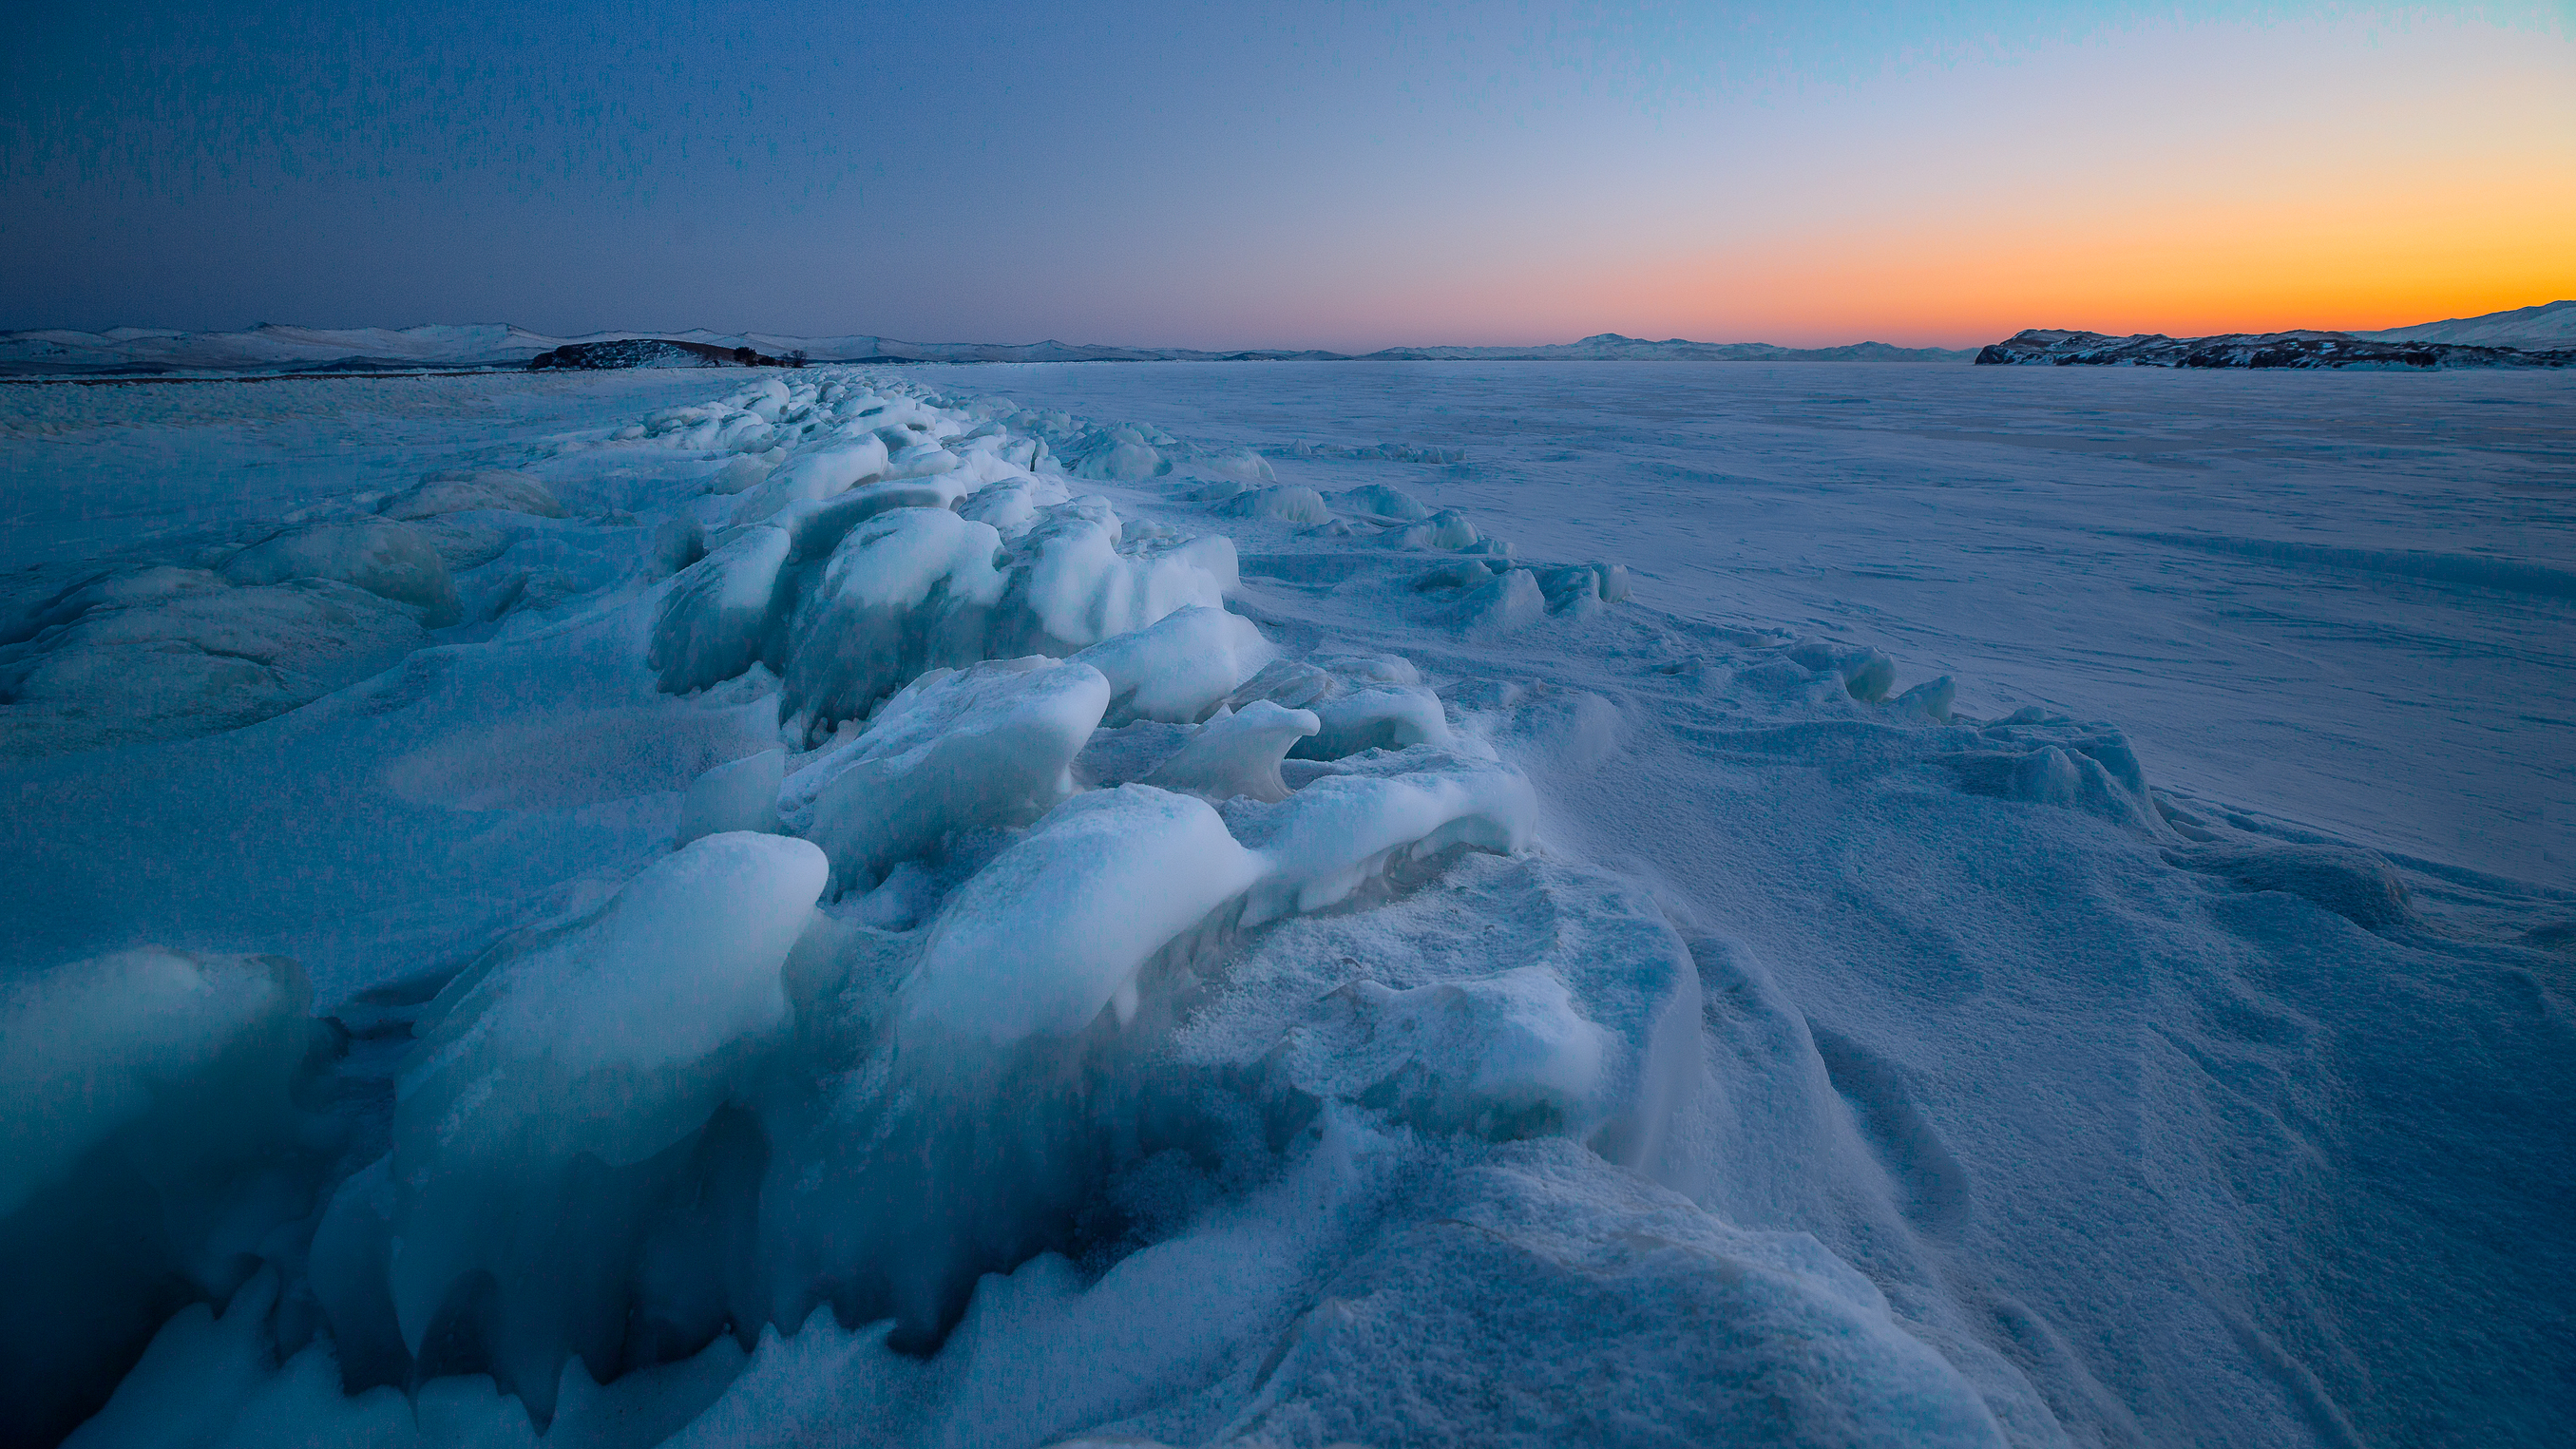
(2343,601)
(1430,903)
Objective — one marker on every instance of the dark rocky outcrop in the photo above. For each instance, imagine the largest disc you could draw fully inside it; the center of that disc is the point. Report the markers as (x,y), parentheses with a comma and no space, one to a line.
(2047,346)
(652,352)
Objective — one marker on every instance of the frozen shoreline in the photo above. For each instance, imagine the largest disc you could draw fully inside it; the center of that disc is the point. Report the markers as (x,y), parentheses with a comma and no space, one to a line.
(2091,1082)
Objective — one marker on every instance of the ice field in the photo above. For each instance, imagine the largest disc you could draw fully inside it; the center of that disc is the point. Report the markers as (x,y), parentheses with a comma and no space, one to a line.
(1290,904)
(2342,600)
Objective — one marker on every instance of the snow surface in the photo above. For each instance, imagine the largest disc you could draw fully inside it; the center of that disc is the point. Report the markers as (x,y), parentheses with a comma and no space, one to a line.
(2343,602)
(1546,904)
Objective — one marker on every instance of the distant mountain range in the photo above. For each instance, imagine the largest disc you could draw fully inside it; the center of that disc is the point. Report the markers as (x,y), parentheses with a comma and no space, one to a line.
(2534,332)
(148,352)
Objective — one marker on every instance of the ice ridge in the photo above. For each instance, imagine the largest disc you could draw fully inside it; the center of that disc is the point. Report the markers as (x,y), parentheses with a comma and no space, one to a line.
(1083,944)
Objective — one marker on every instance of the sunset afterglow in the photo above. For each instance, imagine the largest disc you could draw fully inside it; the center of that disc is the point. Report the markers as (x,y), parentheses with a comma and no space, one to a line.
(1284,176)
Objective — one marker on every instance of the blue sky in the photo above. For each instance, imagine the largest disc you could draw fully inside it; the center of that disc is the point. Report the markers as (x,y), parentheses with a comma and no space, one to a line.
(1337,175)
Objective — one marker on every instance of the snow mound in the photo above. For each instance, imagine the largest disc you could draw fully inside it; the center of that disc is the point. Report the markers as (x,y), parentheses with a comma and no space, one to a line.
(906,591)
(1447,529)
(1014,505)
(550,1121)
(1347,830)
(716,619)
(817,528)
(150,1151)
(1382,717)
(2358,885)
(2078,767)
(467,492)
(1284,505)
(1242,464)
(1180,667)
(1237,752)
(96,1044)
(1077,582)
(998,755)
(911,536)
(1504,1057)
(1059,925)
(739,795)
(390,560)
(161,652)
(1124,453)
(1385,501)
(1612,1286)
(823,473)
(921,588)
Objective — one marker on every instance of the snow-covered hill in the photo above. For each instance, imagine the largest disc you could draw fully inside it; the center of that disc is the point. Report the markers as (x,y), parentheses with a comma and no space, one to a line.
(2309,350)
(2550,325)
(142,350)
(2543,336)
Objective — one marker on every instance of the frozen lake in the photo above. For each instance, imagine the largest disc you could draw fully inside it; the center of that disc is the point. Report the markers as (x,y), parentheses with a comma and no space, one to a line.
(2344,599)
(1636,977)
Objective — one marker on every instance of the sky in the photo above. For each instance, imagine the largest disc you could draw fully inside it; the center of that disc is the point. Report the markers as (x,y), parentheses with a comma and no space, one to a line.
(1286,175)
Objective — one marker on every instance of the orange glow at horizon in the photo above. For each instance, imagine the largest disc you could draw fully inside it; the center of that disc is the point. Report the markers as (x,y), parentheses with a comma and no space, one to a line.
(2347,263)
(2457,200)
(1955,290)
(2222,268)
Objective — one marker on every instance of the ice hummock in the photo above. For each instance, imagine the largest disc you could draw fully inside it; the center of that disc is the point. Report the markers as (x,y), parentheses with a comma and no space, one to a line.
(585,1110)
(1000,758)
(554,1104)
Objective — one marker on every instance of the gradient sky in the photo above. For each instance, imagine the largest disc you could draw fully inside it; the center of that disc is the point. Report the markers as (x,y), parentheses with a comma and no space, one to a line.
(1307,174)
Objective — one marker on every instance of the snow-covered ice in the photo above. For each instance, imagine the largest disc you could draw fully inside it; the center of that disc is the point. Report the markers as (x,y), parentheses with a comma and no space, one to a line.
(1289,904)
(2340,601)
